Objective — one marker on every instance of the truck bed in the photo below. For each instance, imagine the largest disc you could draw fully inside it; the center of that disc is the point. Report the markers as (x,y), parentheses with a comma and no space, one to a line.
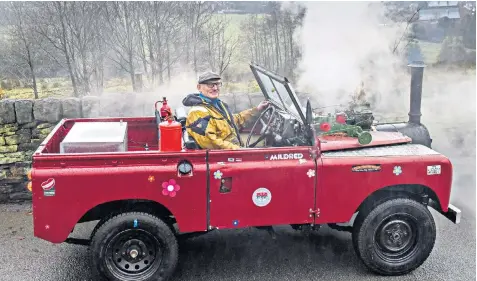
(141,131)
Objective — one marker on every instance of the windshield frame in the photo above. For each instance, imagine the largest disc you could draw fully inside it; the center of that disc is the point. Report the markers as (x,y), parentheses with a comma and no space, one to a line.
(256,69)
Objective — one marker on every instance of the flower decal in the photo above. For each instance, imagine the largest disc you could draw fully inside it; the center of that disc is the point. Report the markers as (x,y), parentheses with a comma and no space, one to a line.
(218,175)
(397,170)
(311,173)
(170,188)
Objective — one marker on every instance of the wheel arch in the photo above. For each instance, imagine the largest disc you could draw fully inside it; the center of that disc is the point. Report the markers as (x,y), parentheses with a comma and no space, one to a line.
(104,211)
(418,192)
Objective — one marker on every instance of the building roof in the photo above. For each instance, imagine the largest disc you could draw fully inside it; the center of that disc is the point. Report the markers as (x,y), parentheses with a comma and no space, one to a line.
(429,14)
(442,3)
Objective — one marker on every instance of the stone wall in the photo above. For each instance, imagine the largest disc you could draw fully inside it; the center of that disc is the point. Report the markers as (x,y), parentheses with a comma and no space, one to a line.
(24,124)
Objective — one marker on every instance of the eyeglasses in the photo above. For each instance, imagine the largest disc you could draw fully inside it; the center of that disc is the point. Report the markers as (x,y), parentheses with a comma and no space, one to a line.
(211,85)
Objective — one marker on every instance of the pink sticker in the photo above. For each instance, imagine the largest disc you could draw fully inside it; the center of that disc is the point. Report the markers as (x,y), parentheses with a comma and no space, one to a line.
(49,187)
(170,188)
(49,184)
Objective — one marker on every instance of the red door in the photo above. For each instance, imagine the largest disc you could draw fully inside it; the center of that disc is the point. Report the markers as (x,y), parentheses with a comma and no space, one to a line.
(260,187)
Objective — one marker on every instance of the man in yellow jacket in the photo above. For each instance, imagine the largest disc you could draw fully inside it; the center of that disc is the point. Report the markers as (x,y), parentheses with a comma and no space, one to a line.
(210,122)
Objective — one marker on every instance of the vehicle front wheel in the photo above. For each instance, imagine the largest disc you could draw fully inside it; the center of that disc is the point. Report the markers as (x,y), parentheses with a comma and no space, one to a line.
(396,237)
(134,246)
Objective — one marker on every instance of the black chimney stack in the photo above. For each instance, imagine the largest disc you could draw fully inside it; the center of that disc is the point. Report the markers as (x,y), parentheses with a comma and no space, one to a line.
(417,70)
(413,128)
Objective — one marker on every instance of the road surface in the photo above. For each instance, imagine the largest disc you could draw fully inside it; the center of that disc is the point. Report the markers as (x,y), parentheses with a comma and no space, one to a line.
(236,255)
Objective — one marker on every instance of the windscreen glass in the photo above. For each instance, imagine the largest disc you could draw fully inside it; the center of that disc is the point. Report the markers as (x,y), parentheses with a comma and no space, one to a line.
(269,88)
(275,89)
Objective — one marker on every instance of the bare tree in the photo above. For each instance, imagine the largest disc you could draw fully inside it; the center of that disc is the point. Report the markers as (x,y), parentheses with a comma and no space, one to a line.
(88,39)
(23,41)
(165,17)
(271,38)
(197,14)
(220,47)
(159,27)
(51,24)
(99,52)
(84,25)
(120,17)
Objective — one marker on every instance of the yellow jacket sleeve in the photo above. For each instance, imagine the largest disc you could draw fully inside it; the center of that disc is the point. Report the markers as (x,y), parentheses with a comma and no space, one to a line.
(200,126)
(244,116)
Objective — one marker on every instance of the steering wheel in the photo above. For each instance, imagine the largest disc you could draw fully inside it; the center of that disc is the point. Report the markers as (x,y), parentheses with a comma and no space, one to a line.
(265,125)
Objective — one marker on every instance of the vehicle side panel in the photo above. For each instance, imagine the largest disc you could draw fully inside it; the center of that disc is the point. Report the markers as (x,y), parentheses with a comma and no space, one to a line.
(288,174)
(83,182)
(341,190)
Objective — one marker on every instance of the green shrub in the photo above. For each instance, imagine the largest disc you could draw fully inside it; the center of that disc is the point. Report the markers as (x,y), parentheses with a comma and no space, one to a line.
(453,51)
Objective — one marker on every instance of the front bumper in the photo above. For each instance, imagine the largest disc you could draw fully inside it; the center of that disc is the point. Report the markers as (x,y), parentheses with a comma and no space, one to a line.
(453,213)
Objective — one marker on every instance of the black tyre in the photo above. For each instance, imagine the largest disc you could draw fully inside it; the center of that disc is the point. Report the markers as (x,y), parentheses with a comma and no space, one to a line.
(395,237)
(134,246)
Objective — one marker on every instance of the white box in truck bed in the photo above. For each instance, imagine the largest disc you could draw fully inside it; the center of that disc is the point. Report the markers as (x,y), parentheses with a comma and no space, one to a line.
(93,137)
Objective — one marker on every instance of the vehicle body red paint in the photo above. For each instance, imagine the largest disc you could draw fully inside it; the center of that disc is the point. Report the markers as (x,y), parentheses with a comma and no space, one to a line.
(84,181)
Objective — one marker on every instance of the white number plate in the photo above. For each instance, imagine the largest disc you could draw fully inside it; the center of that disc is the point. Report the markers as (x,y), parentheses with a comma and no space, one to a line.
(434,170)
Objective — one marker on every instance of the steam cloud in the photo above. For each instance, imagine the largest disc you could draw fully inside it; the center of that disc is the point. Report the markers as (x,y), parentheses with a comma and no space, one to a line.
(180,85)
(346,45)
(175,91)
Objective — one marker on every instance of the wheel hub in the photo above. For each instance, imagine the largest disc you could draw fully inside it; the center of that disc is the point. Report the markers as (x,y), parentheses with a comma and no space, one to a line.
(134,252)
(396,235)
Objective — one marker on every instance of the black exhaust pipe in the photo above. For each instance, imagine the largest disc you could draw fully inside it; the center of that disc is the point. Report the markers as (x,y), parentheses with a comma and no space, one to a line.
(417,72)
(413,128)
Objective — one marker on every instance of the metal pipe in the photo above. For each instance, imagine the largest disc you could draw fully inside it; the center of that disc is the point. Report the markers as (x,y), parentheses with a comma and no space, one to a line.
(417,71)
(413,128)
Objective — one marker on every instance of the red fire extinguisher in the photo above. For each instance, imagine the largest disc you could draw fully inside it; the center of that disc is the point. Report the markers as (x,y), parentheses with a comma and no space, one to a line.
(170,130)
(165,112)
(171,136)
(162,114)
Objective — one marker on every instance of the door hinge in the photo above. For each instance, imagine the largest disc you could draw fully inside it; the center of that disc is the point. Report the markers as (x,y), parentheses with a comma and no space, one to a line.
(315,212)
(313,154)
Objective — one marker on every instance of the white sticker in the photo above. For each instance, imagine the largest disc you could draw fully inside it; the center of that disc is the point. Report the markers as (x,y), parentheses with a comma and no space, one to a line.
(261,197)
(286,156)
(434,170)
(218,175)
(397,170)
(311,173)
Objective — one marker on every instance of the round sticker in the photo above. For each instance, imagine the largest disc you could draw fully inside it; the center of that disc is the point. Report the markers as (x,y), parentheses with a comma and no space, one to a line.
(261,197)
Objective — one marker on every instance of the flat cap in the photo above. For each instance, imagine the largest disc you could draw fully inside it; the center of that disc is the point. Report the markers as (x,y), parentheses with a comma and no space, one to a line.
(209,75)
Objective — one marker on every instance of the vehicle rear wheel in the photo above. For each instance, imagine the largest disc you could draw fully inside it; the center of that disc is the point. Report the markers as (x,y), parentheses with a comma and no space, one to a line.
(134,246)
(396,237)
